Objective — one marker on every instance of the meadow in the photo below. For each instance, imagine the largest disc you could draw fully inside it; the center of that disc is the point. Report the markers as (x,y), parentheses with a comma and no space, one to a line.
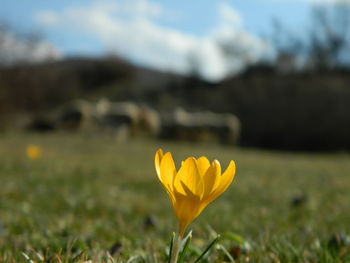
(93,199)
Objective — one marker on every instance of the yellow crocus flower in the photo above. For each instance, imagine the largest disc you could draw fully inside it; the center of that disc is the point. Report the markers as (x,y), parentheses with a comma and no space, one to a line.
(33,152)
(197,183)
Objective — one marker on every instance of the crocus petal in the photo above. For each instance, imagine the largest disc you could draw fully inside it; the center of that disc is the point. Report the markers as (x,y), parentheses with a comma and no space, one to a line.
(157,159)
(167,174)
(186,211)
(203,165)
(211,179)
(227,177)
(167,171)
(225,180)
(189,175)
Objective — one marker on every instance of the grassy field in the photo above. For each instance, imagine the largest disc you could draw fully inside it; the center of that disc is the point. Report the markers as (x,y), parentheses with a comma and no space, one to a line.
(93,199)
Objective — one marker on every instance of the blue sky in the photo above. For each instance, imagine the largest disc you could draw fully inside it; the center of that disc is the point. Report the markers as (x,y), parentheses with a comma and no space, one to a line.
(159,33)
(194,16)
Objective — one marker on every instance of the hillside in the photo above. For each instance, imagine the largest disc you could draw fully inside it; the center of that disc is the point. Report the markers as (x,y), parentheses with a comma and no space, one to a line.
(44,86)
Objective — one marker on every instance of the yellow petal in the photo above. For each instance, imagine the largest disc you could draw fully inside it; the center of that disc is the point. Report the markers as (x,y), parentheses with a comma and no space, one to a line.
(227,177)
(167,171)
(203,165)
(189,176)
(157,159)
(225,181)
(186,209)
(211,179)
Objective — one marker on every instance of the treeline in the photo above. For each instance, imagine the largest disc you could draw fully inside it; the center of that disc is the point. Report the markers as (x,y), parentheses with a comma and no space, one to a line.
(295,111)
(301,111)
(39,87)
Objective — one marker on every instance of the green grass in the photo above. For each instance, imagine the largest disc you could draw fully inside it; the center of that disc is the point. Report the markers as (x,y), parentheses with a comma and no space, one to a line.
(89,193)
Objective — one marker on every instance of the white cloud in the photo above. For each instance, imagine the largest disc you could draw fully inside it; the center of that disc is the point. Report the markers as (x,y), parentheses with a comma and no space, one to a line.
(15,49)
(129,28)
(229,15)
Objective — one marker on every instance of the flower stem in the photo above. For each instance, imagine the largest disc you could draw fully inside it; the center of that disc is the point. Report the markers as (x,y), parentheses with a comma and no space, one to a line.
(176,248)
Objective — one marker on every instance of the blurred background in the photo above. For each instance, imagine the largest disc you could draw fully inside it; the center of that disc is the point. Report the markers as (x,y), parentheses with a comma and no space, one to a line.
(267,73)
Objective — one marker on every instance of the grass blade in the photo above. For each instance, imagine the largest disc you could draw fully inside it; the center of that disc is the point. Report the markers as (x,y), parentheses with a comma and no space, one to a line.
(185,248)
(171,246)
(133,258)
(227,254)
(235,237)
(27,257)
(208,248)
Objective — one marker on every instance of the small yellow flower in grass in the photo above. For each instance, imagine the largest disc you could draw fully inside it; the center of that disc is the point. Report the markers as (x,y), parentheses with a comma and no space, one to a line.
(33,152)
(197,183)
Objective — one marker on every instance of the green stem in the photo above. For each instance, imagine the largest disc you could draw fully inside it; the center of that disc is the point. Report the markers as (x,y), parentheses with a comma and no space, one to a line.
(176,248)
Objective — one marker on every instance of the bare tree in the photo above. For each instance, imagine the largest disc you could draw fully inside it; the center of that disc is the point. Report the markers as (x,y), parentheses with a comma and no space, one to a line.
(329,37)
(23,48)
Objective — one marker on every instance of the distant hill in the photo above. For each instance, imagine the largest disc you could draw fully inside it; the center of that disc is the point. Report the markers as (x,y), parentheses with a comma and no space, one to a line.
(43,86)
